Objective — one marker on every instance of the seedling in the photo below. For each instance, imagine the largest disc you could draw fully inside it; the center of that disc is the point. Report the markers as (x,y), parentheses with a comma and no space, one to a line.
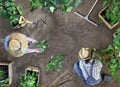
(29,79)
(11,11)
(55,63)
(52,5)
(42,44)
(14,13)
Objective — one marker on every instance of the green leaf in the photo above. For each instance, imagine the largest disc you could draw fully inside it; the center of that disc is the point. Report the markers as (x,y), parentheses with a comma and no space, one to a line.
(76,3)
(52,9)
(69,9)
(105,3)
(52,5)
(118,30)
(55,63)
(7,3)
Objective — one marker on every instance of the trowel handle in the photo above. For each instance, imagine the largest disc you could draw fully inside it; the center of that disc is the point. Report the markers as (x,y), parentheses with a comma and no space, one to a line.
(92,7)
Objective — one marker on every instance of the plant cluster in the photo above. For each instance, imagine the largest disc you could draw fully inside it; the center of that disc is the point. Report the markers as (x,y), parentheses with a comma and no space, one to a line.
(55,63)
(29,79)
(42,44)
(112,13)
(2,79)
(52,5)
(8,9)
(113,52)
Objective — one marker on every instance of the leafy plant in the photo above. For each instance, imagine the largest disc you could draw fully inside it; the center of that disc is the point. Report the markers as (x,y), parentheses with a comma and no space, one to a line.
(35,4)
(2,79)
(8,9)
(113,52)
(52,5)
(55,63)
(112,13)
(42,44)
(29,79)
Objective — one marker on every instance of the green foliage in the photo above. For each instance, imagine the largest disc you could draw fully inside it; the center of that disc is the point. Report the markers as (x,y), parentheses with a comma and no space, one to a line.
(100,20)
(29,80)
(94,49)
(112,13)
(42,44)
(35,4)
(2,80)
(55,63)
(8,9)
(113,51)
(52,5)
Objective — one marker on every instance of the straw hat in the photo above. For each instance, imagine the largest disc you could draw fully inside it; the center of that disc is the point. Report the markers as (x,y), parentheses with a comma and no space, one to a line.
(17,45)
(84,53)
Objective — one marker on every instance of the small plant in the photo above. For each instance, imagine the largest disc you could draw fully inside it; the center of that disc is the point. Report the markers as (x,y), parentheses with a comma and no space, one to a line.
(52,5)
(3,79)
(113,52)
(112,12)
(35,4)
(42,44)
(29,79)
(55,63)
(8,9)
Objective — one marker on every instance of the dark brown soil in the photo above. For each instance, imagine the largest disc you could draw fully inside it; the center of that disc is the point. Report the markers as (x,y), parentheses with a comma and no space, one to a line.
(4,69)
(66,34)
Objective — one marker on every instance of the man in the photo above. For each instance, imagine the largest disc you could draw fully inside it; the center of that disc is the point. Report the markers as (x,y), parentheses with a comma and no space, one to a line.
(88,68)
(17,44)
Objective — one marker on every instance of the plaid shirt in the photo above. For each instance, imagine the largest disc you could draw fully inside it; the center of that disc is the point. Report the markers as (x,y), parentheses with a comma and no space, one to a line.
(97,66)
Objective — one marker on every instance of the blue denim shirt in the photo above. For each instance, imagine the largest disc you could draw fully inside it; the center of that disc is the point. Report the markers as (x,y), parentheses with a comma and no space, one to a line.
(90,81)
(6,41)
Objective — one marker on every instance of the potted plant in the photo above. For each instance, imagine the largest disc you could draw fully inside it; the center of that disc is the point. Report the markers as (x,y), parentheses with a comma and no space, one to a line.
(13,12)
(52,5)
(31,77)
(110,14)
(55,63)
(5,73)
(113,53)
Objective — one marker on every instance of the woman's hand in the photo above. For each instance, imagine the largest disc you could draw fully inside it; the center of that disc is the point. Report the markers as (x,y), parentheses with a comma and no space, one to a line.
(31,40)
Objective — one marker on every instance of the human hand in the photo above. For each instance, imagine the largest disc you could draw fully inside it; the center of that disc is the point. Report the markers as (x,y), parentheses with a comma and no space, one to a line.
(32,40)
(38,50)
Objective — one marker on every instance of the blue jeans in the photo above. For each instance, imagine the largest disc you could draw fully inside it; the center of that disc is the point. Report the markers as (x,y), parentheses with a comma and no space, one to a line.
(90,81)
(78,70)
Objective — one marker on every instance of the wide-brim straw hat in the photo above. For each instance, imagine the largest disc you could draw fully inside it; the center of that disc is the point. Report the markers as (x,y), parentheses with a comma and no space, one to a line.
(18,44)
(84,53)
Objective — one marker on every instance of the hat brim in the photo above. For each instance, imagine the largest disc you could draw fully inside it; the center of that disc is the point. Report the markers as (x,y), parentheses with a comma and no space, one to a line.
(22,38)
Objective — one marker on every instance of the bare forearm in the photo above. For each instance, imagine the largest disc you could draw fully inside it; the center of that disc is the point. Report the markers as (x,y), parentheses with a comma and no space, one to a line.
(32,40)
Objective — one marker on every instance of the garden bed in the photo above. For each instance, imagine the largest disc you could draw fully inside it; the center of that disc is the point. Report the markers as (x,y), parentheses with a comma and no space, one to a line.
(107,21)
(6,78)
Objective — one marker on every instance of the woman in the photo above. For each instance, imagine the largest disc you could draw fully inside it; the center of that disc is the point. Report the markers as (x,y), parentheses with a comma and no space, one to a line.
(87,67)
(17,44)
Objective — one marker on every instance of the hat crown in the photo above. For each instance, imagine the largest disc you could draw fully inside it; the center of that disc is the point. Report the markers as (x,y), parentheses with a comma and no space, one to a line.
(18,44)
(14,45)
(84,53)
